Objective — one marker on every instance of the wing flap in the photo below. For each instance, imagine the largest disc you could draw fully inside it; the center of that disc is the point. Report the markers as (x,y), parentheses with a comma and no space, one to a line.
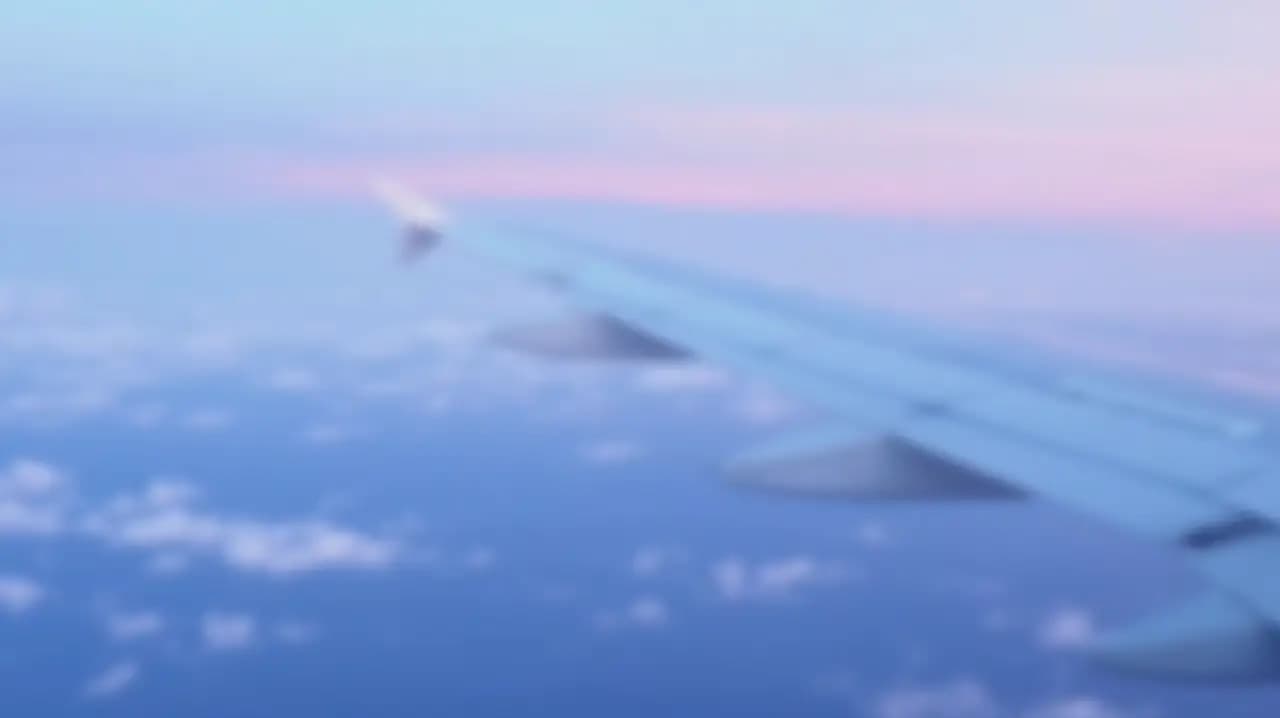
(587,336)
(1158,511)
(845,462)
(1248,568)
(1209,637)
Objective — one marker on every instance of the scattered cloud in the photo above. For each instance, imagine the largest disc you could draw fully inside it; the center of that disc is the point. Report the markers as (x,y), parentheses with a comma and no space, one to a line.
(165,518)
(643,612)
(647,611)
(649,561)
(19,594)
(33,498)
(228,631)
(1067,628)
(327,434)
(296,633)
(736,579)
(960,698)
(131,626)
(872,534)
(20,518)
(147,415)
(29,477)
(208,420)
(611,452)
(1078,707)
(480,558)
(292,380)
(996,620)
(112,681)
(168,563)
(969,698)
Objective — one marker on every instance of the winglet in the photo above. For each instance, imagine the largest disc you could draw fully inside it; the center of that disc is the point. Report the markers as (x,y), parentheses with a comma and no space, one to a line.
(423,221)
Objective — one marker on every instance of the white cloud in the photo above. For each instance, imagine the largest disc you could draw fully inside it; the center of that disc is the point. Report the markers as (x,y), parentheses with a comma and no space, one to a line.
(996,620)
(112,681)
(649,561)
(17,517)
(968,698)
(480,558)
(643,612)
(872,534)
(647,611)
(296,633)
(327,434)
(1077,707)
(19,594)
(207,420)
(292,380)
(1067,628)
(736,579)
(213,347)
(228,631)
(611,452)
(131,626)
(32,498)
(168,563)
(164,518)
(961,698)
(147,415)
(31,478)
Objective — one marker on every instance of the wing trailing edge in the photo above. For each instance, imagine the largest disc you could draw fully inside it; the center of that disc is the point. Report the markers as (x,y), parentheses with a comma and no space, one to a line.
(587,336)
(846,462)
(1208,637)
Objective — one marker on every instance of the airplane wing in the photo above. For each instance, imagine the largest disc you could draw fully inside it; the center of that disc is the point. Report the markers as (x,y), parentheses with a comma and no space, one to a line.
(918,416)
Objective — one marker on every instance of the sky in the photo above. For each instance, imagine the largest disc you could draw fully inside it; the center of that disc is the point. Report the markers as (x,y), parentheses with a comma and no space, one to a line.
(1147,112)
(250,465)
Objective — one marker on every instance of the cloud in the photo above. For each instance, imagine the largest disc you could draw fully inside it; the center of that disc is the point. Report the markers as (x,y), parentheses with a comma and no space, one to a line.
(480,558)
(168,563)
(26,519)
(228,631)
(208,420)
(1067,628)
(18,594)
(213,347)
(112,681)
(292,380)
(649,561)
(296,633)
(328,434)
(1077,707)
(736,579)
(33,497)
(131,626)
(969,698)
(611,452)
(147,415)
(31,478)
(872,534)
(643,612)
(960,698)
(165,518)
(648,612)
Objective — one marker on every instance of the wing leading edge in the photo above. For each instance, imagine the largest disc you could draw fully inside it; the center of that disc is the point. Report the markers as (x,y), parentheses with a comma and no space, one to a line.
(922,416)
